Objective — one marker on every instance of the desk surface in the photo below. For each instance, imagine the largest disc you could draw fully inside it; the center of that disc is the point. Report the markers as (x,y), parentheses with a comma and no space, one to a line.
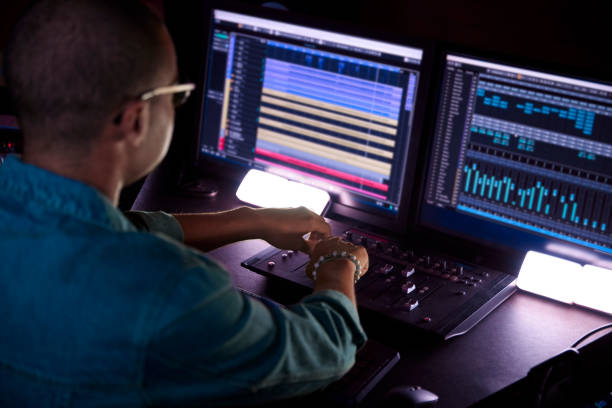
(522,332)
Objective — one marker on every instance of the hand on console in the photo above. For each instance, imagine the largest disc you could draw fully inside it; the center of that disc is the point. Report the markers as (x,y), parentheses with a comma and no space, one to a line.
(326,248)
(337,264)
(285,228)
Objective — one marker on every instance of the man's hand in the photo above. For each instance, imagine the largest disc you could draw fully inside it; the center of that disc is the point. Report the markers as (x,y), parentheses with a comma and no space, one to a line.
(326,246)
(337,274)
(285,228)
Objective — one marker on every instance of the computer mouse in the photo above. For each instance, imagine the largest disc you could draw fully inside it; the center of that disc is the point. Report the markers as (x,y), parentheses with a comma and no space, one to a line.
(410,396)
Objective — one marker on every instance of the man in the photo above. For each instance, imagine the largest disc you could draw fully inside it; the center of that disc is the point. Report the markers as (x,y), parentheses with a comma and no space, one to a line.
(98,313)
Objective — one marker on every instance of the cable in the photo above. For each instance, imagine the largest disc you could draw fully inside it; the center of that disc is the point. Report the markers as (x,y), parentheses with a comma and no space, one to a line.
(560,368)
(592,332)
(543,387)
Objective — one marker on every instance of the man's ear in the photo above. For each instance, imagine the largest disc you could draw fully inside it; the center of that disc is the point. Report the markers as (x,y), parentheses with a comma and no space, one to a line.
(132,123)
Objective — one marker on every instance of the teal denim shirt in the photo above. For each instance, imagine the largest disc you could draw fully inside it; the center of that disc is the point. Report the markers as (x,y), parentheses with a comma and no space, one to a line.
(98,313)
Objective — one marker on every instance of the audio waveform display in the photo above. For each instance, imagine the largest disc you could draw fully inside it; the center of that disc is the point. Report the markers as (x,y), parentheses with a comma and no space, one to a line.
(573,204)
(529,150)
(583,119)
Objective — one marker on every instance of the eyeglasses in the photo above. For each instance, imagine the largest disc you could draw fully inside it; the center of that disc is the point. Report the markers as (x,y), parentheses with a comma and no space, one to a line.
(180,93)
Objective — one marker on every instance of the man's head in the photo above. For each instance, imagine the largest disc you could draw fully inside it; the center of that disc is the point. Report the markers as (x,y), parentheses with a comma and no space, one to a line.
(75,69)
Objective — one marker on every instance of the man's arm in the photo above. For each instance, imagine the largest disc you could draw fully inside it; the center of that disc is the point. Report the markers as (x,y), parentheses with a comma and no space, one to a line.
(339,273)
(215,346)
(282,228)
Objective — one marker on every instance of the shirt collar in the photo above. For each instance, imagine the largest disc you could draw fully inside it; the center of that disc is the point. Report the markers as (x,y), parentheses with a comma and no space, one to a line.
(35,186)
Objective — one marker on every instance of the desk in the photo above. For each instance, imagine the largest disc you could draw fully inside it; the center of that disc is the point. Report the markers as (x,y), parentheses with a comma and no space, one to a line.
(522,332)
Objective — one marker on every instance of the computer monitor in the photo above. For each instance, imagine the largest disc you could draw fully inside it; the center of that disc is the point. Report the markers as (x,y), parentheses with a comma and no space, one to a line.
(521,158)
(314,103)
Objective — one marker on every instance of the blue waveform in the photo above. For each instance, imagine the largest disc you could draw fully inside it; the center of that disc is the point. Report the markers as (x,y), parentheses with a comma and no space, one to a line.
(536,198)
(496,101)
(500,138)
(583,119)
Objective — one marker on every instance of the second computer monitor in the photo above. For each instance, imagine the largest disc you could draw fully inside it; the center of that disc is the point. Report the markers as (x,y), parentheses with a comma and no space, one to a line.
(521,158)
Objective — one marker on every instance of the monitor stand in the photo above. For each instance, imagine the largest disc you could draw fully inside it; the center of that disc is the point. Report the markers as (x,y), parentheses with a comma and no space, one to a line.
(199,188)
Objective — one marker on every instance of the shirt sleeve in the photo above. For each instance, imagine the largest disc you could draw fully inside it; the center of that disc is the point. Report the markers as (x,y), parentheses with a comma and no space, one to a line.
(219,346)
(156,221)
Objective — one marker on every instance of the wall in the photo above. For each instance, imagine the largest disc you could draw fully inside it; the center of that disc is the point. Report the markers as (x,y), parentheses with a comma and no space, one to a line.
(572,34)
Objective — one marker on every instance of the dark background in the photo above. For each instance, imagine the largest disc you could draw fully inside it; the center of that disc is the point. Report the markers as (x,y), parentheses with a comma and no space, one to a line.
(575,35)
(570,37)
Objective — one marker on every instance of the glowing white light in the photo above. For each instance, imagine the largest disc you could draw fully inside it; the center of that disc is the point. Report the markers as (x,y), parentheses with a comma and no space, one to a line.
(269,190)
(594,288)
(548,276)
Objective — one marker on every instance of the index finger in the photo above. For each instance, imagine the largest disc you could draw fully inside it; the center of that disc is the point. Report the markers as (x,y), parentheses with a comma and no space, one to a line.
(320,228)
(316,223)
(309,245)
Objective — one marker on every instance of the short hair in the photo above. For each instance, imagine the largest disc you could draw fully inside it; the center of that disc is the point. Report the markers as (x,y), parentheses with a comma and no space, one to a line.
(70,63)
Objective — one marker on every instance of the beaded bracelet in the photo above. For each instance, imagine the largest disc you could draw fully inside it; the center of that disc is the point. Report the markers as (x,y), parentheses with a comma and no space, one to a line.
(335,255)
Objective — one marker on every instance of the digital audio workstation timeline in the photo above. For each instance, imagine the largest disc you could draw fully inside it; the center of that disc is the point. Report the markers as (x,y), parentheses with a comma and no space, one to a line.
(519,158)
(521,149)
(325,108)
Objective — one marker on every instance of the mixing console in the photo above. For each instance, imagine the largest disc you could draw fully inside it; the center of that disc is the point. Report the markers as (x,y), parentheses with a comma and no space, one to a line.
(424,289)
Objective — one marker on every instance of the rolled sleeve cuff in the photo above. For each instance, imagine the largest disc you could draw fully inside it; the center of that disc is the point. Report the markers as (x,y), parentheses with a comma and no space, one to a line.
(344,306)
(156,222)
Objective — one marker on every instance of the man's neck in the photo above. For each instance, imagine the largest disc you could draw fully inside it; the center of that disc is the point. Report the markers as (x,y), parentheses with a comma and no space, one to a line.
(92,169)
